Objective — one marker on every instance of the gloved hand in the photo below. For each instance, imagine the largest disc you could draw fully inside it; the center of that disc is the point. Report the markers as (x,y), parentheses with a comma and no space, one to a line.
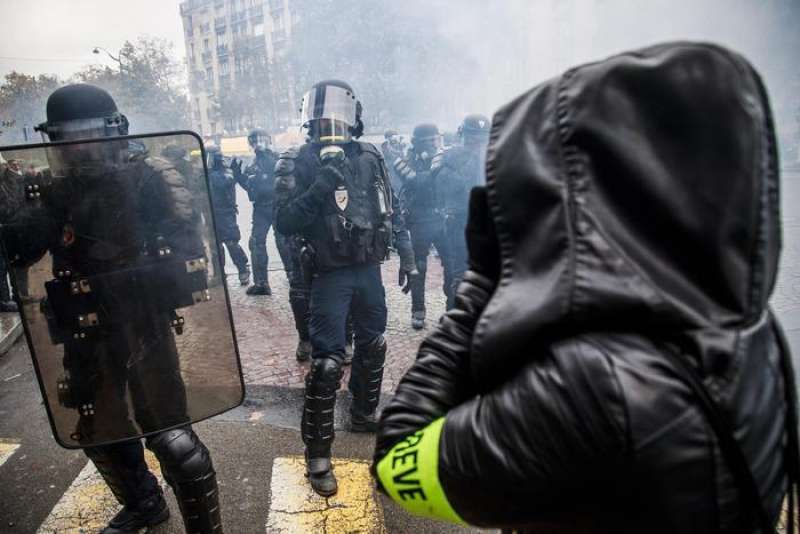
(236,167)
(405,278)
(408,266)
(328,178)
(482,244)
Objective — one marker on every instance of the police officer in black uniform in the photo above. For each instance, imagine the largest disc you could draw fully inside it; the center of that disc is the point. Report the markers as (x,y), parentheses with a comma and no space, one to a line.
(11,197)
(425,221)
(335,194)
(460,168)
(95,190)
(223,198)
(393,149)
(258,179)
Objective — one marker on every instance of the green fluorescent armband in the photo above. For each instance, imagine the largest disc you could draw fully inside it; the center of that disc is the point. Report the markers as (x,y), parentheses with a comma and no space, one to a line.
(410,475)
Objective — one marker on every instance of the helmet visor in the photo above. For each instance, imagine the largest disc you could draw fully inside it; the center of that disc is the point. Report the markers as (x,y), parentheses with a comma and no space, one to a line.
(85,159)
(329,102)
(92,128)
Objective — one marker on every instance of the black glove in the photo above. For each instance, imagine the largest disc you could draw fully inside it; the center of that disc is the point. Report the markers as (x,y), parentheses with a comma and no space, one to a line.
(405,278)
(328,178)
(236,167)
(408,266)
(482,244)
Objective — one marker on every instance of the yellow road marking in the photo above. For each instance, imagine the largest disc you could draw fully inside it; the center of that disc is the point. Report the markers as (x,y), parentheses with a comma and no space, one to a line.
(7,448)
(296,508)
(87,505)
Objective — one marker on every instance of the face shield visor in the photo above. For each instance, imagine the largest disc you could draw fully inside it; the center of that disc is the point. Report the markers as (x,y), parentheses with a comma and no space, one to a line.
(85,159)
(260,142)
(330,113)
(426,147)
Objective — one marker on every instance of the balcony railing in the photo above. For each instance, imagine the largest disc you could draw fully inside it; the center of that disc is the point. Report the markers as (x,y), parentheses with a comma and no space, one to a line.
(257,11)
(276,5)
(219,24)
(222,51)
(207,57)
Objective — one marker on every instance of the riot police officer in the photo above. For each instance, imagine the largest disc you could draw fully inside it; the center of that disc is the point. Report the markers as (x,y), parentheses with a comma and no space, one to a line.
(335,194)
(97,193)
(259,182)
(223,198)
(393,149)
(11,196)
(424,220)
(460,168)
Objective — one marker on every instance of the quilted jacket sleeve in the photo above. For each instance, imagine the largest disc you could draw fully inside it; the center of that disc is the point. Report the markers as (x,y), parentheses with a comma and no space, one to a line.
(521,455)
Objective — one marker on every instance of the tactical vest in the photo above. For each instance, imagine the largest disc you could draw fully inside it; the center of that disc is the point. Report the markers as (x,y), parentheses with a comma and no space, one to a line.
(354,224)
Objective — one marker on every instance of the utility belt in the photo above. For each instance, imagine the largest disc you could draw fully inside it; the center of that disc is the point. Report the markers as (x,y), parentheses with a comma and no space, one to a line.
(78,307)
(357,243)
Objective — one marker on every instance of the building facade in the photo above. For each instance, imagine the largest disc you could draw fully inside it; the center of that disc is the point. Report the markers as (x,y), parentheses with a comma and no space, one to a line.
(236,59)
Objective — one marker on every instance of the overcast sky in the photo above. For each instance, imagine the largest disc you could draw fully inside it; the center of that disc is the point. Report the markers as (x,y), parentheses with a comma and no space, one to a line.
(57,36)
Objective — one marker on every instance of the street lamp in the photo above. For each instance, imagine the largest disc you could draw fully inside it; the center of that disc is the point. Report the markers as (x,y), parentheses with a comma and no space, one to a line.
(97,49)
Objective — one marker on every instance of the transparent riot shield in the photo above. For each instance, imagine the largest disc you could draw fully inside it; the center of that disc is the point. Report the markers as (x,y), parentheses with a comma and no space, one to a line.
(124,304)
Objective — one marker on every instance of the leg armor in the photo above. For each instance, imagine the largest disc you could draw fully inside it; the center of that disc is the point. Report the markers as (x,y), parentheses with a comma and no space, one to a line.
(5,291)
(366,376)
(322,381)
(298,299)
(187,468)
(123,468)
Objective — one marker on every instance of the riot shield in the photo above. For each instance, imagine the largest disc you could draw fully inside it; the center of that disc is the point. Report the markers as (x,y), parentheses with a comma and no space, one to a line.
(124,304)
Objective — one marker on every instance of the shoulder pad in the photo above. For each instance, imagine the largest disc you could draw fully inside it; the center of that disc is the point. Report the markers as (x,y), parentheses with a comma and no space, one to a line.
(285,164)
(371,149)
(158,164)
(438,160)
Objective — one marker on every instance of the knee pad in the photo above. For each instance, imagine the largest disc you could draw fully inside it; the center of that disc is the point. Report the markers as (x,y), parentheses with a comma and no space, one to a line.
(182,455)
(324,375)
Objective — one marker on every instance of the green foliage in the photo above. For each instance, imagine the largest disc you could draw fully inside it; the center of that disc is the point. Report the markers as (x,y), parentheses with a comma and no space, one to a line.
(22,104)
(146,86)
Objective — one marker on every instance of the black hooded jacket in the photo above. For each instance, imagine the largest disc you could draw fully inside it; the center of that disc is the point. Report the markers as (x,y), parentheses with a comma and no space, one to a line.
(636,202)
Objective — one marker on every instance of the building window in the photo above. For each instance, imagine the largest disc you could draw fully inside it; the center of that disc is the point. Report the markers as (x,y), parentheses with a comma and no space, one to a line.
(205,45)
(258,29)
(224,68)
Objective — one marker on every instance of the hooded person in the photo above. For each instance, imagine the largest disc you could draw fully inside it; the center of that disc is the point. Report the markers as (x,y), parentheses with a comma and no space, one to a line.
(611,363)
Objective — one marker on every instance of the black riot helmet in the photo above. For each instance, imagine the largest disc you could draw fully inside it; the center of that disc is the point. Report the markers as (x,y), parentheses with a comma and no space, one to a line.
(81,111)
(475,128)
(332,113)
(426,139)
(259,140)
(77,112)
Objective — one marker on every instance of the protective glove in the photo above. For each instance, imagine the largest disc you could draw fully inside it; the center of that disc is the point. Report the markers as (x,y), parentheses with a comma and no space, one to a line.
(408,267)
(328,178)
(236,167)
(405,279)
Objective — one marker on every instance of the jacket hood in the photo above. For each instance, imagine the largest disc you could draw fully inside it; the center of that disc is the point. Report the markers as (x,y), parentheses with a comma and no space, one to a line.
(635,193)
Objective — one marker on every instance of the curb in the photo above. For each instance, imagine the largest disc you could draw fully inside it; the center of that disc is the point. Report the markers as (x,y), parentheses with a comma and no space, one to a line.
(10,331)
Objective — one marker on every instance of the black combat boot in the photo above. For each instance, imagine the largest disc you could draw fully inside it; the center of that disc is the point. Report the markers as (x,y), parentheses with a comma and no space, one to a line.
(123,468)
(366,377)
(418,319)
(322,381)
(259,289)
(148,513)
(303,351)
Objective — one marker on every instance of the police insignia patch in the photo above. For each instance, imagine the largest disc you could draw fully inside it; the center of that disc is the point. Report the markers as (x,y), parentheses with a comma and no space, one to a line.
(341,197)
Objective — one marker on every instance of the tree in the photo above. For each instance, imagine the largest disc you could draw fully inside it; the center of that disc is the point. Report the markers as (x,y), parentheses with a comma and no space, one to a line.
(147,86)
(22,104)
